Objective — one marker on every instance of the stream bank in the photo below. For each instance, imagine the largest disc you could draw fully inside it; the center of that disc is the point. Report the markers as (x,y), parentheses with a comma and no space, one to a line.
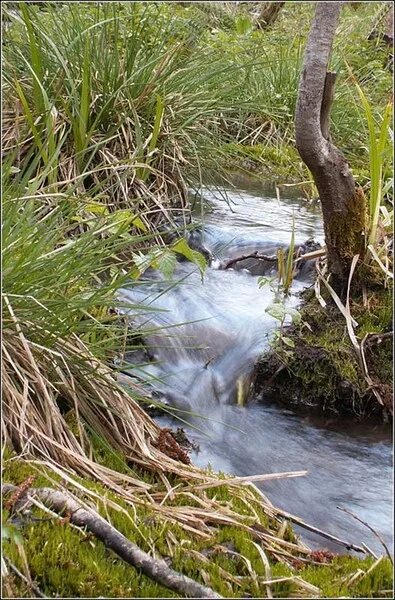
(321,372)
(68,562)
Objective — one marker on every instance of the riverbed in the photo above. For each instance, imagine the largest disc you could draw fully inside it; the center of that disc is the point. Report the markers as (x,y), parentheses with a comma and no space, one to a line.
(204,337)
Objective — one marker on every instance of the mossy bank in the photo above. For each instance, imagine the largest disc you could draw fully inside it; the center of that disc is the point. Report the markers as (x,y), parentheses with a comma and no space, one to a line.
(64,561)
(321,370)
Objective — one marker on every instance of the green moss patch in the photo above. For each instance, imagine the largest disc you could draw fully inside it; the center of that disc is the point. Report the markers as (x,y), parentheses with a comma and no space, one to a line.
(322,370)
(279,162)
(65,561)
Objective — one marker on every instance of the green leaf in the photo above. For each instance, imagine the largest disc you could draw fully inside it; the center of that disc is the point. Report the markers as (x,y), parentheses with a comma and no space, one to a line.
(265,280)
(122,219)
(85,97)
(295,314)
(35,57)
(181,247)
(97,208)
(137,222)
(288,342)
(289,266)
(142,262)
(166,263)
(277,311)
(9,532)
(243,24)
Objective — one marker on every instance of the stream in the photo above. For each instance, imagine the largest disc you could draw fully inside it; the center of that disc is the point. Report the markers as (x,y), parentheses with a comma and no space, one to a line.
(205,335)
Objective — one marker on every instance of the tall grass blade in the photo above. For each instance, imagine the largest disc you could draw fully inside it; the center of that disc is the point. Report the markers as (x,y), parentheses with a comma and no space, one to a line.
(379,136)
(35,58)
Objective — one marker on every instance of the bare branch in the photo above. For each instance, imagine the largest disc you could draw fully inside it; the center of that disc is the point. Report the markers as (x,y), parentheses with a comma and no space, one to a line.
(228,264)
(156,569)
(354,516)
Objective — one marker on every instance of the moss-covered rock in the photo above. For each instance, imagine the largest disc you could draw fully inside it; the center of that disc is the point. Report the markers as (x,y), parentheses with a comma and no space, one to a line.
(322,370)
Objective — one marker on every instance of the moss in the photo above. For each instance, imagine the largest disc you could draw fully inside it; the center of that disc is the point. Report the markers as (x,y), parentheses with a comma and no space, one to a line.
(344,231)
(322,371)
(67,562)
(335,580)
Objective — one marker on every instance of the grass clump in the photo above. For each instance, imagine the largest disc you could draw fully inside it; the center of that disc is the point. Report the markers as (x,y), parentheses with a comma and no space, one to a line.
(117,97)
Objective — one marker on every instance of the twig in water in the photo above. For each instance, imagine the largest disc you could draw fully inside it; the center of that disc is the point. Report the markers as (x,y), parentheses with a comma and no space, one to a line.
(369,550)
(324,534)
(230,263)
(378,536)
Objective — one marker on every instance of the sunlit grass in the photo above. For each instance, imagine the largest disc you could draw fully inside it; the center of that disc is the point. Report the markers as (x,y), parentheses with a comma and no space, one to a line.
(119,96)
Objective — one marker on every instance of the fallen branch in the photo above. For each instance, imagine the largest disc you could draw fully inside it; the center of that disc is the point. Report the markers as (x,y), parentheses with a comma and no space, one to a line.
(377,338)
(271,258)
(155,569)
(228,264)
(324,534)
(311,255)
(378,536)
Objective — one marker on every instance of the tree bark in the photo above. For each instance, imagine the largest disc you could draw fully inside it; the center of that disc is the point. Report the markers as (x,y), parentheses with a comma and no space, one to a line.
(343,204)
(154,568)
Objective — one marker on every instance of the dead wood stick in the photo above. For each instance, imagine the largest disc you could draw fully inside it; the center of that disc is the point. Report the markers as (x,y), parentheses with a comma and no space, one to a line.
(153,568)
(311,255)
(230,263)
(378,536)
(323,534)
(272,258)
(377,338)
(30,584)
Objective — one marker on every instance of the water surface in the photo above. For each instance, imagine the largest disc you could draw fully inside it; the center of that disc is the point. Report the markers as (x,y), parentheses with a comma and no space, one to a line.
(206,336)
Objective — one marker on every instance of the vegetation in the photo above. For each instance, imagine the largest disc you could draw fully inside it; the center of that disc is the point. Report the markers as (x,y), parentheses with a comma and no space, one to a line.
(230,558)
(324,368)
(316,365)
(111,113)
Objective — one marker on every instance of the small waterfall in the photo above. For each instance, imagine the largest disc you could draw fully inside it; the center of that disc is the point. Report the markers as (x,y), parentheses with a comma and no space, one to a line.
(204,337)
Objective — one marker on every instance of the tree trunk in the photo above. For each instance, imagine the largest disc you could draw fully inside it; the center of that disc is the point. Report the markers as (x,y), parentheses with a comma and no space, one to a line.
(268,13)
(343,204)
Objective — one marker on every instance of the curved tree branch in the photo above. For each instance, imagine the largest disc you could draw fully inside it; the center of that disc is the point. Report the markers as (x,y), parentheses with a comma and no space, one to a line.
(154,568)
(343,205)
(310,141)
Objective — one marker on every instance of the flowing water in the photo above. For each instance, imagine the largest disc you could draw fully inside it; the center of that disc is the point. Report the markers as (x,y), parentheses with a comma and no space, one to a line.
(205,336)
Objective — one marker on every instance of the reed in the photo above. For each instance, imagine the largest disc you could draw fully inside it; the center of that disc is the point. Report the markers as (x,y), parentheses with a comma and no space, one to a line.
(380,150)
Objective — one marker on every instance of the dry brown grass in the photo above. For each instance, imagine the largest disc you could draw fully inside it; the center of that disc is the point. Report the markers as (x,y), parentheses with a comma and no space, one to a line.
(38,381)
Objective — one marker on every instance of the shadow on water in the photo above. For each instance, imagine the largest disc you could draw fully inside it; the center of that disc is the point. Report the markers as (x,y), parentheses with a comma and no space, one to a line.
(205,338)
